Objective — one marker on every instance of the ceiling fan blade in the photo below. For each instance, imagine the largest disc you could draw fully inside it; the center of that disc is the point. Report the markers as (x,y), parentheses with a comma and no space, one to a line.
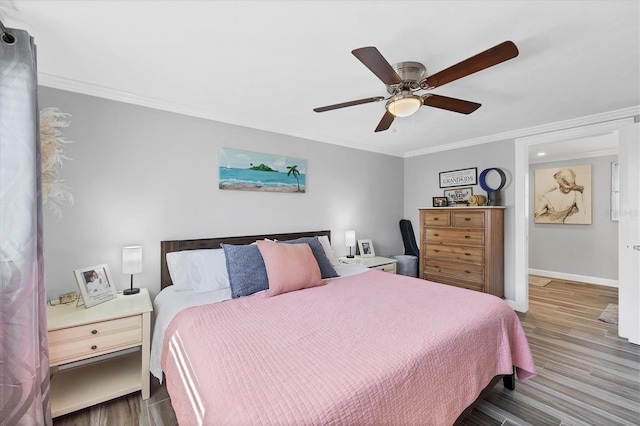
(450,104)
(348,104)
(490,57)
(385,123)
(373,59)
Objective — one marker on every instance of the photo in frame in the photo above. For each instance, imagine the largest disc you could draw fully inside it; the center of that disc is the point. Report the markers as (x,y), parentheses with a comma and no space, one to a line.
(462,177)
(95,284)
(440,202)
(366,248)
(458,195)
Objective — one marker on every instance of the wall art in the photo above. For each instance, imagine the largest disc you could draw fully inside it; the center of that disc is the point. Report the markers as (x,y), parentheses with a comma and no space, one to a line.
(563,195)
(253,171)
(462,177)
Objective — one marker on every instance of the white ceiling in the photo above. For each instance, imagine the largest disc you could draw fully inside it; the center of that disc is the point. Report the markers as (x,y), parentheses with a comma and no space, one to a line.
(267,64)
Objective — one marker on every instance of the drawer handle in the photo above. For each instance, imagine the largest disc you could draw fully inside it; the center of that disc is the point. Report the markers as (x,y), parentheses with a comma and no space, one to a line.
(436,251)
(94,347)
(435,266)
(467,271)
(94,331)
(467,219)
(467,254)
(436,235)
(435,218)
(467,236)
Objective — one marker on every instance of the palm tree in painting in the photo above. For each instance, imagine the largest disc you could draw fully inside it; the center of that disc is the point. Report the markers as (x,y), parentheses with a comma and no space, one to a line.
(293,170)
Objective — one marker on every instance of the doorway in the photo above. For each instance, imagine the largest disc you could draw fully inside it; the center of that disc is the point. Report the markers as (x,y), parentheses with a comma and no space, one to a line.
(522,203)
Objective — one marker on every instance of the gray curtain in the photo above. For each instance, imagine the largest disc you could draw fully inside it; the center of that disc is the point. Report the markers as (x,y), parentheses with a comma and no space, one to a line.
(24,358)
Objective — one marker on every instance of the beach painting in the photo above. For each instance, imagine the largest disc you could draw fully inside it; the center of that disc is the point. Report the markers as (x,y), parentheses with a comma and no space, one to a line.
(253,171)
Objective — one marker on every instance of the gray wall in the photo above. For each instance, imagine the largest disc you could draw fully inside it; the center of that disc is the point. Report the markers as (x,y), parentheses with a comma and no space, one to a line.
(421,183)
(140,175)
(586,250)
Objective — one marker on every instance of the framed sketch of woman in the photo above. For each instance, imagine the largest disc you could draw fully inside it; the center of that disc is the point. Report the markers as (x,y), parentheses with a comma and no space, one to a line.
(563,195)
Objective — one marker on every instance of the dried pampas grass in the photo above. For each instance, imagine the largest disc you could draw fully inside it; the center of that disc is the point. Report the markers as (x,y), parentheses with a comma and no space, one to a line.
(54,192)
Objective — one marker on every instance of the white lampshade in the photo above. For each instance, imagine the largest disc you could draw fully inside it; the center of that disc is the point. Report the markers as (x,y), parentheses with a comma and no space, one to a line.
(404,106)
(132,260)
(350,238)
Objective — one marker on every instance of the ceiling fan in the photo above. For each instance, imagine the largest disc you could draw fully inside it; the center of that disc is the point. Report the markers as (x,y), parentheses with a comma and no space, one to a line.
(406,80)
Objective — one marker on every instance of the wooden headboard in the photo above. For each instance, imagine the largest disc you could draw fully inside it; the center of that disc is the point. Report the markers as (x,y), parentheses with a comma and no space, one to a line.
(214,243)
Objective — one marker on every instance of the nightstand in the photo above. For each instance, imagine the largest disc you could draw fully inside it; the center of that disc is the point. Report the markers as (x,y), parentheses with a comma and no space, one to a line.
(80,334)
(378,262)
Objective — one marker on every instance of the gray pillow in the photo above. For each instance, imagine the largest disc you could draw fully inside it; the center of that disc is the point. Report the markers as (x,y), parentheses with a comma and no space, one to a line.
(247,273)
(326,269)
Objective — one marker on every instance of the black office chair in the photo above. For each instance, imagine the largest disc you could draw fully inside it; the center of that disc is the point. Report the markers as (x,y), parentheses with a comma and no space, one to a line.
(409,238)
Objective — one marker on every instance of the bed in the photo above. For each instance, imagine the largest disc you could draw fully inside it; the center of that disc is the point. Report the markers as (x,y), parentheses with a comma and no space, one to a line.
(363,347)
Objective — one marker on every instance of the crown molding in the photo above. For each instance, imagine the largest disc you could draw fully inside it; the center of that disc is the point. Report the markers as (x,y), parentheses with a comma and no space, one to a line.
(76,86)
(536,130)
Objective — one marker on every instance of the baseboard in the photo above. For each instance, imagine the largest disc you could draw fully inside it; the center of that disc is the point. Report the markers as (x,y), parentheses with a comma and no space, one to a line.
(573,277)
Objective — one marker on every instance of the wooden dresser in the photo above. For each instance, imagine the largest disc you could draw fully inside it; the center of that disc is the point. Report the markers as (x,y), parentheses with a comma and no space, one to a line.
(463,246)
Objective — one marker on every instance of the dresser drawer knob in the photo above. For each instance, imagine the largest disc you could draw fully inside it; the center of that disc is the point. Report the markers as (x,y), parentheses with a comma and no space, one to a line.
(467,236)
(435,218)
(467,254)
(94,331)
(467,271)
(94,347)
(467,219)
(436,235)
(436,251)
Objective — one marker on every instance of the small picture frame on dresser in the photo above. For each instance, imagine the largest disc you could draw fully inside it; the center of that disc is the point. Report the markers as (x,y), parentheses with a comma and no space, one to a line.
(95,284)
(440,201)
(366,248)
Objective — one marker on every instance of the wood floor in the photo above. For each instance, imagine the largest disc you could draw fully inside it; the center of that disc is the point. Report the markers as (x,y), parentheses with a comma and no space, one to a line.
(587,375)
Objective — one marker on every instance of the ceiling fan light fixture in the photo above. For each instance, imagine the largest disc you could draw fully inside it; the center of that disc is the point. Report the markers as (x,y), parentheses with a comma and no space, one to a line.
(404,105)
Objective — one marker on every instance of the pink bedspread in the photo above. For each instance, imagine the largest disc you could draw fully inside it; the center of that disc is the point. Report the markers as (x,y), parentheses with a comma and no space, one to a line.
(368,349)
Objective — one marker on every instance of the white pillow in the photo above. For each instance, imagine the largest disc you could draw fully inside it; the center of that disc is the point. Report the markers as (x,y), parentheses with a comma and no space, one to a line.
(198,270)
(326,245)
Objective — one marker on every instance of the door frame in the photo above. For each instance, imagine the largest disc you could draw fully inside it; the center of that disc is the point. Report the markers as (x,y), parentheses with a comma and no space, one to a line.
(522,204)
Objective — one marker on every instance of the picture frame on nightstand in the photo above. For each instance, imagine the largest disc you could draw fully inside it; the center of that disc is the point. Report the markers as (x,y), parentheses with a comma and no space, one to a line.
(95,284)
(366,248)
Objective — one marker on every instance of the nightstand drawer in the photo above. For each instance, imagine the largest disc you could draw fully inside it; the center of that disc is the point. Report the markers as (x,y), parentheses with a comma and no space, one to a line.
(84,341)
(391,267)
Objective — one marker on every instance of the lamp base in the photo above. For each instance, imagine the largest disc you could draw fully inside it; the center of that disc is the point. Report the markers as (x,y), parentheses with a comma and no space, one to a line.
(129,291)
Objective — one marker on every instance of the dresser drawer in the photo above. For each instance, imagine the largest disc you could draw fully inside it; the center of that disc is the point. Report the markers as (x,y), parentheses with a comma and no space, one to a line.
(472,254)
(468,272)
(474,237)
(443,279)
(73,343)
(437,218)
(471,219)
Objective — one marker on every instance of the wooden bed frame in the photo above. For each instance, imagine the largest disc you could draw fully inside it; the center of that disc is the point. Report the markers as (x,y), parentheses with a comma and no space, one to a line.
(214,243)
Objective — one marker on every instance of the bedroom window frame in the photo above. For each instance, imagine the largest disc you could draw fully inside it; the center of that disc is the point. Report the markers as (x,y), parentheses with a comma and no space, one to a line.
(614,205)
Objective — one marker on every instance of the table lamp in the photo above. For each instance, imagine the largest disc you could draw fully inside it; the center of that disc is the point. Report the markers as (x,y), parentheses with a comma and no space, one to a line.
(350,241)
(131,264)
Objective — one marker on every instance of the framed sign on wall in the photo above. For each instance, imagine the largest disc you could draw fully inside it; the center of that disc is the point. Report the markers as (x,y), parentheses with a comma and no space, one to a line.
(462,177)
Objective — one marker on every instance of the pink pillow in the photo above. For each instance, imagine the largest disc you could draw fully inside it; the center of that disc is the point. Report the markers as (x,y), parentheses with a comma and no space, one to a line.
(289,267)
